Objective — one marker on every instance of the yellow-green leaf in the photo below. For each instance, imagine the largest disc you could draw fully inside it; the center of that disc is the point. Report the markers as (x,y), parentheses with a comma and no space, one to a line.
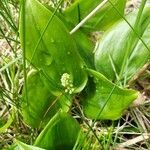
(60,133)
(50,48)
(39,105)
(104,18)
(121,53)
(104,100)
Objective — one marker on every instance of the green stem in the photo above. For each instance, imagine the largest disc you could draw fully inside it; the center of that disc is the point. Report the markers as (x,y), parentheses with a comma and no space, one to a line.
(24,47)
(138,18)
(136,28)
(8,22)
(132,28)
(8,42)
(9,18)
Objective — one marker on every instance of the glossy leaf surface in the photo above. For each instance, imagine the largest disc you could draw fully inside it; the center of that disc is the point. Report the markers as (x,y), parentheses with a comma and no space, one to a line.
(104,100)
(50,47)
(40,105)
(85,47)
(120,44)
(60,133)
(23,146)
(102,20)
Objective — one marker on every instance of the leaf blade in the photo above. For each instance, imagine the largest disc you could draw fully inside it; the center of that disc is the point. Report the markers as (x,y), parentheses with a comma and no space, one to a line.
(102,20)
(56,53)
(60,133)
(123,46)
(106,100)
(40,105)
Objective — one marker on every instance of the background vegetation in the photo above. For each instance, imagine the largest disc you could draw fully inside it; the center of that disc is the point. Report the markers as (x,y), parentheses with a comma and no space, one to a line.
(131,131)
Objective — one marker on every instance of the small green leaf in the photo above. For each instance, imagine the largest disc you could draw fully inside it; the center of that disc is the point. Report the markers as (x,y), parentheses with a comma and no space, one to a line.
(23,146)
(121,53)
(60,133)
(40,105)
(105,100)
(102,20)
(4,127)
(50,48)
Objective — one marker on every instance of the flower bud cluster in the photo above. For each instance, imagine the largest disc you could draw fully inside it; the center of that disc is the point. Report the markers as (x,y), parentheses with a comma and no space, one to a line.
(66,82)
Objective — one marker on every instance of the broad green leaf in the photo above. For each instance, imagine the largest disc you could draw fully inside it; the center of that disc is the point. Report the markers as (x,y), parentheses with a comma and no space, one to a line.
(60,133)
(40,105)
(85,47)
(104,100)
(102,20)
(120,44)
(84,44)
(54,52)
(23,146)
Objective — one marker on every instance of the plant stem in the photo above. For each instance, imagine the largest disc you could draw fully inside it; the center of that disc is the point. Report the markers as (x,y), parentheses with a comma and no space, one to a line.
(136,29)
(135,32)
(24,48)
(138,18)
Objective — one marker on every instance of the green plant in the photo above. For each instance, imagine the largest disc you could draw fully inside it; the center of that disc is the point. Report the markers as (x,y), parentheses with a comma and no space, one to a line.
(62,65)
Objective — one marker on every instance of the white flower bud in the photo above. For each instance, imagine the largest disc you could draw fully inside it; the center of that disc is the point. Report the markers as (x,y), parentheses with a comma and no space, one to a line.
(66,82)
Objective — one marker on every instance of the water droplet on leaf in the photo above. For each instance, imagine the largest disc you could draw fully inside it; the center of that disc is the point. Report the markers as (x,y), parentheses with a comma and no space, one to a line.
(46,58)
(52,40)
